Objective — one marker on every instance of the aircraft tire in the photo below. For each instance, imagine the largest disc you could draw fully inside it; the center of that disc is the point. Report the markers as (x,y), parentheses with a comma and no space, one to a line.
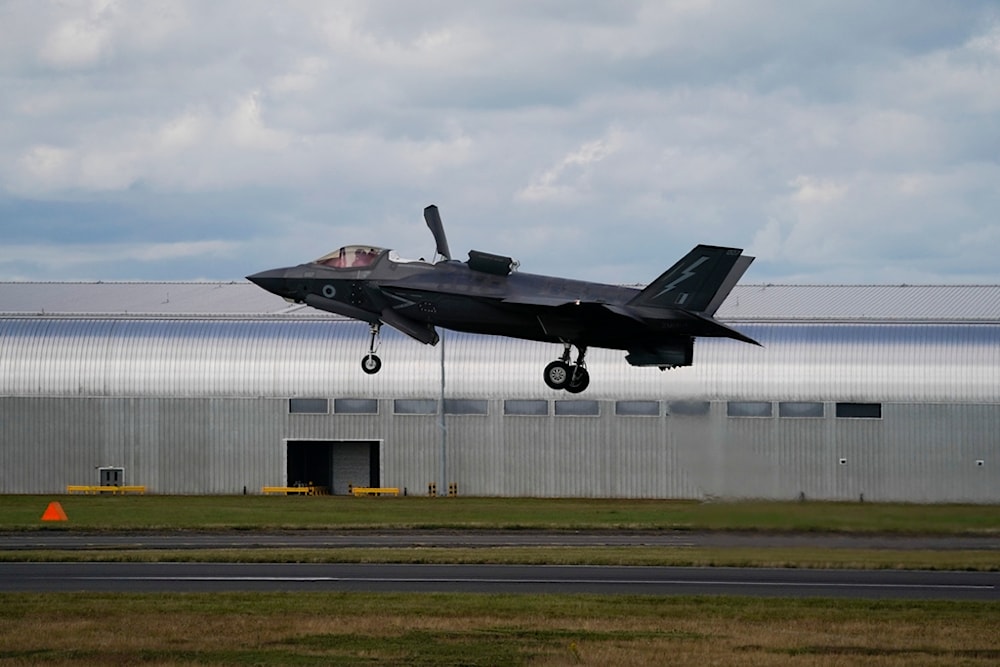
(371,364)
(557,374)
(579,380)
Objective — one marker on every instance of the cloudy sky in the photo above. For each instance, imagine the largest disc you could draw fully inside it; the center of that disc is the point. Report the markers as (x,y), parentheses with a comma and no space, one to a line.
(840,141)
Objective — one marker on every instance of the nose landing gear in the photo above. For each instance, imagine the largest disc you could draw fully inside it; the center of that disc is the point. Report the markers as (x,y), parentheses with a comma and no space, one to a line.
(560,374)
(370,363)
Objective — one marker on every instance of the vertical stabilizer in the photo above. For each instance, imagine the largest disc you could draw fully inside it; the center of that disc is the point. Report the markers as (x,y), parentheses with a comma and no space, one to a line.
(699,282)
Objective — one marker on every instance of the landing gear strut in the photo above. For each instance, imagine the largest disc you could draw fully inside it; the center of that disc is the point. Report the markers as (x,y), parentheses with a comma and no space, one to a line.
(560,374)
(370,363)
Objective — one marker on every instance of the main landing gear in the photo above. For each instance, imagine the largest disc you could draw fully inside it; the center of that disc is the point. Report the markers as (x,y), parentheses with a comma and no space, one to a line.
(370,363)
(561,374)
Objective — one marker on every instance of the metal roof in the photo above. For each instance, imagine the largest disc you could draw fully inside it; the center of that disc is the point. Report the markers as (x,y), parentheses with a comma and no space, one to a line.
(766,303)
(821,342)
(105,357)
(143,299)
(897,303)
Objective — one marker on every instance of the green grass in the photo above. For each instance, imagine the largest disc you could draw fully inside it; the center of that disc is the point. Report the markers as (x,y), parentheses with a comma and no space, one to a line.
(803,557)
(116,513)
(337,512)
(475,629)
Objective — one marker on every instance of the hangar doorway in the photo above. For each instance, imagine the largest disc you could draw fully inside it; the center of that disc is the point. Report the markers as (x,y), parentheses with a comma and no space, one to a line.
(335,464)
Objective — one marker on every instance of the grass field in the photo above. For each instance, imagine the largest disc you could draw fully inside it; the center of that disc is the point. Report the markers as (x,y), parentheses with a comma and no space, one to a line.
(331,512)
(111,513)
(787,557)
(470,629)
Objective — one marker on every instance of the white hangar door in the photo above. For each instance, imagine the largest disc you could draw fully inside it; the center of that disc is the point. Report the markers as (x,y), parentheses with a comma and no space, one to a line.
(353,466)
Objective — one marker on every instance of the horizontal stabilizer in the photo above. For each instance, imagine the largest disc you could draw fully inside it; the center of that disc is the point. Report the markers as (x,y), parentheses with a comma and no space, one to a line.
(699,282)
(715,328)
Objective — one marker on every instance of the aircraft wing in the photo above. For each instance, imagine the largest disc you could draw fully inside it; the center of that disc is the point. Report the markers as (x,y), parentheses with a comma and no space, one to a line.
(535,300)
(556,302)
(710,325)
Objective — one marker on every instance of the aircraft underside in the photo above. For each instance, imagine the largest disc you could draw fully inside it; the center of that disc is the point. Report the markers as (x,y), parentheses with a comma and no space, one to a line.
(580,326)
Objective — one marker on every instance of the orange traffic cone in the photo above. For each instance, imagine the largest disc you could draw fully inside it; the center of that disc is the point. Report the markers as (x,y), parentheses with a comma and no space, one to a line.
(54,512)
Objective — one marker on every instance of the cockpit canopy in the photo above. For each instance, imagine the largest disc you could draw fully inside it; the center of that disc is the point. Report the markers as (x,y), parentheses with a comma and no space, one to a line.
(351,257)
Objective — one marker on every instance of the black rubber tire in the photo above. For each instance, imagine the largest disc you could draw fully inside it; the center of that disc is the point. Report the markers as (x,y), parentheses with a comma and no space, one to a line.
(371,364)
(557,374)
(579,380)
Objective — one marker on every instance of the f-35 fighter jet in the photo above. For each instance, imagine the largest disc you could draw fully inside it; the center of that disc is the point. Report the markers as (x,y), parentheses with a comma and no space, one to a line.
(488,295)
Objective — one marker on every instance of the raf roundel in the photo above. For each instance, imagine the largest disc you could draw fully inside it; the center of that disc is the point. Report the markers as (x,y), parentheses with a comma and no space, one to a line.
(329,291)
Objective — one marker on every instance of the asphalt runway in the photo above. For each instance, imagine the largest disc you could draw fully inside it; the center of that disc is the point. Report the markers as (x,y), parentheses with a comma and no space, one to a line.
(324,539)
(209,577)
(294,577)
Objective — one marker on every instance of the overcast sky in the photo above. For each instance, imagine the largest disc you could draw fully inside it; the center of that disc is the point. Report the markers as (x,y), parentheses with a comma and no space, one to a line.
(839,142)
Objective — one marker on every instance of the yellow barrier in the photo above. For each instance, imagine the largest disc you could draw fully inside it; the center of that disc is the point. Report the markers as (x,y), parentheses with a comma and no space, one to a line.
(114,490)
(375,491)
(301,490)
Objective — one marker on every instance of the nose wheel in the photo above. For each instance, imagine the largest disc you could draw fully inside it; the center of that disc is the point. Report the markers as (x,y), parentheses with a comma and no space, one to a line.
(370,363)
(561,374)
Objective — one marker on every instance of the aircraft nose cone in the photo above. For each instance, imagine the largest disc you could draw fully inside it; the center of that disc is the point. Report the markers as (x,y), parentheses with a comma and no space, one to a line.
(273,281)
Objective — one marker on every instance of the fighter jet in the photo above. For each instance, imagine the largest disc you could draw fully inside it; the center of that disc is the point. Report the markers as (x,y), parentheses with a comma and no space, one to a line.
(487,294)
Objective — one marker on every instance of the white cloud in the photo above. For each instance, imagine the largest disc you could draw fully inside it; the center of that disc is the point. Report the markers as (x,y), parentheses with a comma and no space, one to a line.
(248,129)
(185,131)
(48,166)
(61,262)
(304,77)
(811,191)
(81,40)
(822,136)
(567,180)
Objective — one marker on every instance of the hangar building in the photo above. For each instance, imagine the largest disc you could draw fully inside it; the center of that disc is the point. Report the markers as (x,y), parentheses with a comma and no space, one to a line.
(890,393)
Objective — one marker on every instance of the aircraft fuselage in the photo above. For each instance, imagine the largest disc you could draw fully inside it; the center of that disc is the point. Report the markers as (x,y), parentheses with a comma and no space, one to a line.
(451,295)
(485,295)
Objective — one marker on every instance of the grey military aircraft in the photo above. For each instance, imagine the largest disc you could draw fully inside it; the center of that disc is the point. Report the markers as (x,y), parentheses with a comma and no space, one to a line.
(656,325)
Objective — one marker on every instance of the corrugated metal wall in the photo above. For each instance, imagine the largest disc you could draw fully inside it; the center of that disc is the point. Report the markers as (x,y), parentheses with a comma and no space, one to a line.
(916,452)
(280,358)
(201,406)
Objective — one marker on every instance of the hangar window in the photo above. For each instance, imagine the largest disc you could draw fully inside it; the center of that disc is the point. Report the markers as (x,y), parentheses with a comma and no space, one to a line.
(308,406)
(689,408)
(637,408)
(800,409)
(859,410)
(415,406)
(355,406)
(577,408)
(465,406)
(749,409)
(526,408)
